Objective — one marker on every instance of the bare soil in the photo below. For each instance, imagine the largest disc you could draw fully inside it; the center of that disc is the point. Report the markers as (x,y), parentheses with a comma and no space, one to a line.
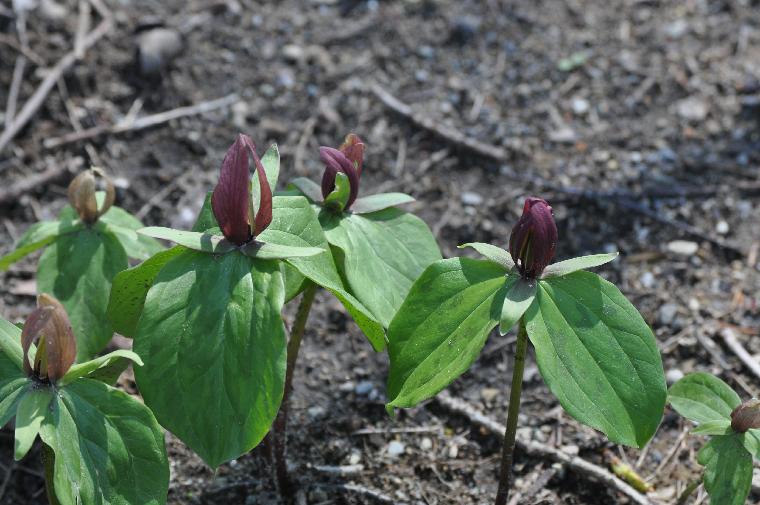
(633,118)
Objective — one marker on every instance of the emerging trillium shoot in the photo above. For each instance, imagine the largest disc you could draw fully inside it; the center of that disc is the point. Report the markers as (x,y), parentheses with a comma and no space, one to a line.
(593,348)
(83,195)
(347,160)
(49,329)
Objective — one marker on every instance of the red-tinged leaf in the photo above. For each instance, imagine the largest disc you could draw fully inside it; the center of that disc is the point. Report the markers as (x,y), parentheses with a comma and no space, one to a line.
(264,213)
(353,148)
(335,161)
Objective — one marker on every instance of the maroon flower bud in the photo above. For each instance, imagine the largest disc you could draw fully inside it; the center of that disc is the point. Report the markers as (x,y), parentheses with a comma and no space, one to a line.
(746,416)
(82,192)
(534,238)
(347,159)
(48,327)
(231,200)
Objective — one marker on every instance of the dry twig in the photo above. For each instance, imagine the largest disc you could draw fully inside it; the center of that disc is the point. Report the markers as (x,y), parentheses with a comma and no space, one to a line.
(729,337)
(537,449)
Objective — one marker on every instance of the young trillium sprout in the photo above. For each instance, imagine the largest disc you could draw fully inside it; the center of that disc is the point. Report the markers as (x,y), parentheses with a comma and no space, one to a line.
(82,194)
(347,160)
(232,200)
(746,416)
(49,329)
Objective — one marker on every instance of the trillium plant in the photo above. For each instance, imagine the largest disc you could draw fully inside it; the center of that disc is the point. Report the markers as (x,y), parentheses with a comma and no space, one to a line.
(206,314)
(92,434)
(734,430)
(84,249)
(594,350)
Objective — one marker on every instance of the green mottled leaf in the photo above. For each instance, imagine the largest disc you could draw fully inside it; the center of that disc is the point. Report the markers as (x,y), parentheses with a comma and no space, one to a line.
(36,237)
(716,427)
(268,251)
(106,368)
(295,223)
(309,188)
(380,201)
(702,397)
(198,241)
(32,409)
(124,225)
(573,265)
(728,470)
(338,197)
(520,294)
(108,447)
(381,255)
(213,342)
(78,269)
(598,356)
(129,289)
(492,253)
(441,327)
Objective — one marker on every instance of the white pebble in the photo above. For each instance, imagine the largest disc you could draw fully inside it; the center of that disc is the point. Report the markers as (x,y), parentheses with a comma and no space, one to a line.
(683,247)
(395,448)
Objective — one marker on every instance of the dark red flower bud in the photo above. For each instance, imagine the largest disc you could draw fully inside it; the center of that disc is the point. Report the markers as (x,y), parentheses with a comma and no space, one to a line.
(48,327)
(82,192)
(348,159)
(534,238)
(231,199)
(746,416)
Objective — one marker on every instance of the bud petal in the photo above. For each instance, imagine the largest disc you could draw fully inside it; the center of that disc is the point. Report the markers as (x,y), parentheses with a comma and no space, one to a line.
(746,416)
(534,238)
(82,195)
(353,148)
(230,200)
(264,214)
(335,161)
(49,328)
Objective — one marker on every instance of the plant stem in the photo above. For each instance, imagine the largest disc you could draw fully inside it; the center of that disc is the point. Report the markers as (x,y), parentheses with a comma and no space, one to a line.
(48,462)
(508,449)
(279,430)
(693,485)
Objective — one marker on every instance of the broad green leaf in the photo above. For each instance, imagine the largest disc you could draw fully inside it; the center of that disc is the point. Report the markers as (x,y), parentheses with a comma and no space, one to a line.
(129,289)
(206,219)
(108,447)
(750,439)
(213,342)
(492,253)
(702,397)
(380,201)
(268,251)
(309,188)
(294,281)
(32,410)
(382,254)
(716,427)
(198,241)
(78,269)
(573,265)
(271,162)
(124,225)
(13,380)
(441,327)
(36,237)
(520,294)
(338,198)
(104,368)
(728,470)
(598,356)
(295,223)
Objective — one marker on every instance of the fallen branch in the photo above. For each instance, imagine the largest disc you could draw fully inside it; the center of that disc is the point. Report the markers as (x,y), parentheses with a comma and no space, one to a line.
(38,98)
(729,337)
(623,199)
(361,490)
(537,449)
(132,124)
(31,182)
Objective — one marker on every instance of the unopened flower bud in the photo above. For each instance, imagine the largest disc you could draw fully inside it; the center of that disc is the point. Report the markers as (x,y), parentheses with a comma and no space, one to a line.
(48,327)
(82,194)
(746,416)
(231,200)
(534,238)
(347,159)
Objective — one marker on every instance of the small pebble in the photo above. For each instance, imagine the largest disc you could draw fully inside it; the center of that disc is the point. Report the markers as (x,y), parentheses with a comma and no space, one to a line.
(354,458)
(580,106)
(683,247)
(667,313)
(722,227)
(470,198)
(364,388)
(647,280)
(489,394)
(426,444)
(692,109)
(395,448)
(156,49)
(346,386)
(571,449)
(316,412)
(673,375)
